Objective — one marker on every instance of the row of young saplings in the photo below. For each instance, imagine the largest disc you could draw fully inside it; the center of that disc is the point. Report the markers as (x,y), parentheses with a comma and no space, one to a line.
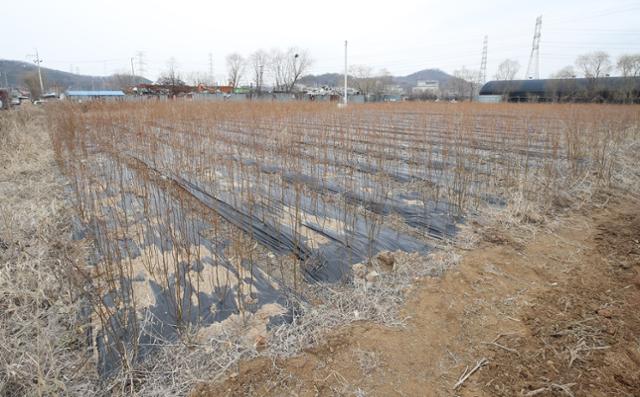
(201,212)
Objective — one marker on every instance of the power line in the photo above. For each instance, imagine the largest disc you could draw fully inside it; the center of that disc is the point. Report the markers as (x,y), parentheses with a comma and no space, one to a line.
(600,14)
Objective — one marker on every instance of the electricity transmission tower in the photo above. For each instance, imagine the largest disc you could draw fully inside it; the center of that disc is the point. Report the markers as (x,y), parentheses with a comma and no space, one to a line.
(483,63)
(212,80)
(533,70)
(141,63)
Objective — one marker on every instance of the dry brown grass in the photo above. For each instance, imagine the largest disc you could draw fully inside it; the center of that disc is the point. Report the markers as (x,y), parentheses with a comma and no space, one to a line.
(42,347)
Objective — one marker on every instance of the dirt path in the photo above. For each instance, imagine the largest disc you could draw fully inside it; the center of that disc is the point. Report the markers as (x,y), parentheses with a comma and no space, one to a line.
(550,313)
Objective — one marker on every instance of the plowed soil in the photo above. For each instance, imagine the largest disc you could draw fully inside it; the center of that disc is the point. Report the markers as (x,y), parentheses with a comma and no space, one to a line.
(547,310)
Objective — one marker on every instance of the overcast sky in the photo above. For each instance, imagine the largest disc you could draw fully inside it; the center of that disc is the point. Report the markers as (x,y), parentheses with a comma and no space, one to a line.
(100,37)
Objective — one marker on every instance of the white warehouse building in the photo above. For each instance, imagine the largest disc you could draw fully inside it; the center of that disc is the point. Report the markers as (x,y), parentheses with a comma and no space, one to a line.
(426,86)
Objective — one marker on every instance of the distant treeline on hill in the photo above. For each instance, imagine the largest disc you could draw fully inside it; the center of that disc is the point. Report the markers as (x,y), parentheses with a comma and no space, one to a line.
(25,75)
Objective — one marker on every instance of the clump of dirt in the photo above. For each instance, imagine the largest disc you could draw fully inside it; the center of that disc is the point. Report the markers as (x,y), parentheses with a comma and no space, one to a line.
(494,235)
(619,239)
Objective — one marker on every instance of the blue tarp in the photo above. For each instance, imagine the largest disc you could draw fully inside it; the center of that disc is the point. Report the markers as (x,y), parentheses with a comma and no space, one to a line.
(95,93)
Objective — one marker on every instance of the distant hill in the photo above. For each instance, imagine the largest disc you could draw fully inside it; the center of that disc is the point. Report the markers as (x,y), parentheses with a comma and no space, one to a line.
(18,71)
(335,79)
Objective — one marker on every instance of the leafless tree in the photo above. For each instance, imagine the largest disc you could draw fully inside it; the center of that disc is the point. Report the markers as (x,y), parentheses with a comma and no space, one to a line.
(507,70)
(629,65)
(171,76)
(362,78)
(562,86)
(297,63)
(594,65)
(287,67)
(365,80)
(566,72)
(235,68)
(258,61)
(464,83)
(383,80)
(277,68)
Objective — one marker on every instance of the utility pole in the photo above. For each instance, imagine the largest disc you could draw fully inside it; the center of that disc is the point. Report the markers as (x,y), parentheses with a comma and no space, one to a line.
(133,73)
(260,79)
(38,61)
(483,63)
(345,74)
(533,69)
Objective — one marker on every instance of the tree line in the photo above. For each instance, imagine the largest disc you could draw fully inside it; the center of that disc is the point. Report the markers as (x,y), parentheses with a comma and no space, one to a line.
(281,69)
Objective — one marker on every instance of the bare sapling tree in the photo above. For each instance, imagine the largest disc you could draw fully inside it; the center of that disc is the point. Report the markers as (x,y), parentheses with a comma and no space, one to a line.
(235,68)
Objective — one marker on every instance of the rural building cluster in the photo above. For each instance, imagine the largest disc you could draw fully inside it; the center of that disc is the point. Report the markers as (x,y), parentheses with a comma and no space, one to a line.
(581,90)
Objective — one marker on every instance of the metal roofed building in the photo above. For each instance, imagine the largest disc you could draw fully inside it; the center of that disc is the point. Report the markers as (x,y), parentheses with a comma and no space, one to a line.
(94,95)
(424,86)
(603,89)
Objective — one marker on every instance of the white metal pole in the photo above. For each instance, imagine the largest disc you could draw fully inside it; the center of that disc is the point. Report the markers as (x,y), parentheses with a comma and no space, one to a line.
(345,73)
